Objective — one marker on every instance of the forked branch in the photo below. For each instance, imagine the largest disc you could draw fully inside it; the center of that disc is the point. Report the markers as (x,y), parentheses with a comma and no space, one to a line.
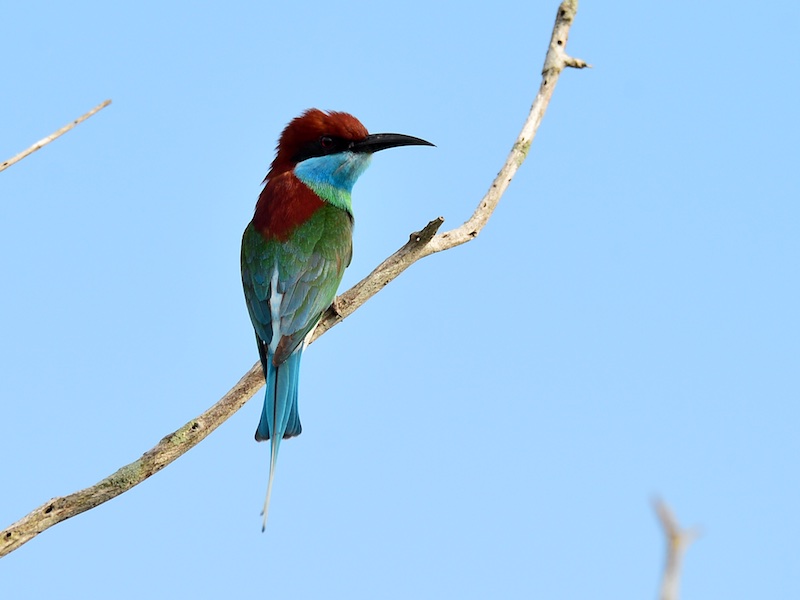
(678,540)
(422,243)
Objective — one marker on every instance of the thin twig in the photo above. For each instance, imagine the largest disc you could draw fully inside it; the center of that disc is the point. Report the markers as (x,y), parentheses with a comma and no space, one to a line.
(420,244)
(43,142)
(678,540)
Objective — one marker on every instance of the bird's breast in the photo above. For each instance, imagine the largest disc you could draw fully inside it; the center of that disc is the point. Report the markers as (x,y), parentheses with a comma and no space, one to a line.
(285,204)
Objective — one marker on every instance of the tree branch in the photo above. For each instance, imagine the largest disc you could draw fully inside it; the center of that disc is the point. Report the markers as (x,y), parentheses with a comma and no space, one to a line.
(678,540)
(420,244)
(43,142)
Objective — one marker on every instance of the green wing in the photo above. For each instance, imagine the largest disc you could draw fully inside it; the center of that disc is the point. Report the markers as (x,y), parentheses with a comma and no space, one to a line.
(310,265)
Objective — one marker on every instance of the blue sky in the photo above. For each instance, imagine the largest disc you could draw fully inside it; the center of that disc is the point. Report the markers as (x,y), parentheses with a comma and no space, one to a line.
(492,424)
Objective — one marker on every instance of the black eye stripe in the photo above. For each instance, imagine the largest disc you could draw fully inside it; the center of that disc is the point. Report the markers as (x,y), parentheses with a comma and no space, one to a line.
(322,146)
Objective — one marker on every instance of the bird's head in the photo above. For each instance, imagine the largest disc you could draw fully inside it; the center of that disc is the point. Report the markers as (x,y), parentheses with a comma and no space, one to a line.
(331,148)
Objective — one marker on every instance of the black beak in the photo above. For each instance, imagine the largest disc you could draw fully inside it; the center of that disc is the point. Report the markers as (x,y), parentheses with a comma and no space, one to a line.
(381,141)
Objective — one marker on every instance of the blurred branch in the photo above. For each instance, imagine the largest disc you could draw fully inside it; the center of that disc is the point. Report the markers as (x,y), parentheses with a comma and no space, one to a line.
(678,540)
(420,244)
(43,142)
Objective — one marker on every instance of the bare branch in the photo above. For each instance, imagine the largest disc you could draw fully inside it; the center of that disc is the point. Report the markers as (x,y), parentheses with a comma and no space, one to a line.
(555,61)
(678,540)
(43,142)
(346,304)
(152,461)
(422,243)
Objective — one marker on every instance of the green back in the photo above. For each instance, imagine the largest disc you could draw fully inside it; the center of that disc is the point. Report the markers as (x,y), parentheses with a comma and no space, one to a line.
(310,266)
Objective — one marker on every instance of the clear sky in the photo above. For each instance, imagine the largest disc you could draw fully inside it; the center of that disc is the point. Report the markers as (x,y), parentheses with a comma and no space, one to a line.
(492,424)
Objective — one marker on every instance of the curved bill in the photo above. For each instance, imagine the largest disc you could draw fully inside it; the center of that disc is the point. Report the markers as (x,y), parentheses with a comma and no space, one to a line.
(381,141)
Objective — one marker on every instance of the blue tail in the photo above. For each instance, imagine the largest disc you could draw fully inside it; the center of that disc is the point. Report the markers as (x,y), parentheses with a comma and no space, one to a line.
(279,417)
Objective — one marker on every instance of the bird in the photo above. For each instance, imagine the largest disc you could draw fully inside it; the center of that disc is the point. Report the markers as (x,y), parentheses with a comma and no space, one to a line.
(296,249)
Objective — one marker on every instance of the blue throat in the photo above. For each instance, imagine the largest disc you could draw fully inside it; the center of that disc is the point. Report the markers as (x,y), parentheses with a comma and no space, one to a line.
(332,177)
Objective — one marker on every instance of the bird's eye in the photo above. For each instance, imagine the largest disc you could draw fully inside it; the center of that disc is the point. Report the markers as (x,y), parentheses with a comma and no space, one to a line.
(326,142)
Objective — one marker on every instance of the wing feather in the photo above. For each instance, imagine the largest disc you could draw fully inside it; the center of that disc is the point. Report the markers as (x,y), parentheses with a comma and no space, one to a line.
(310,267)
